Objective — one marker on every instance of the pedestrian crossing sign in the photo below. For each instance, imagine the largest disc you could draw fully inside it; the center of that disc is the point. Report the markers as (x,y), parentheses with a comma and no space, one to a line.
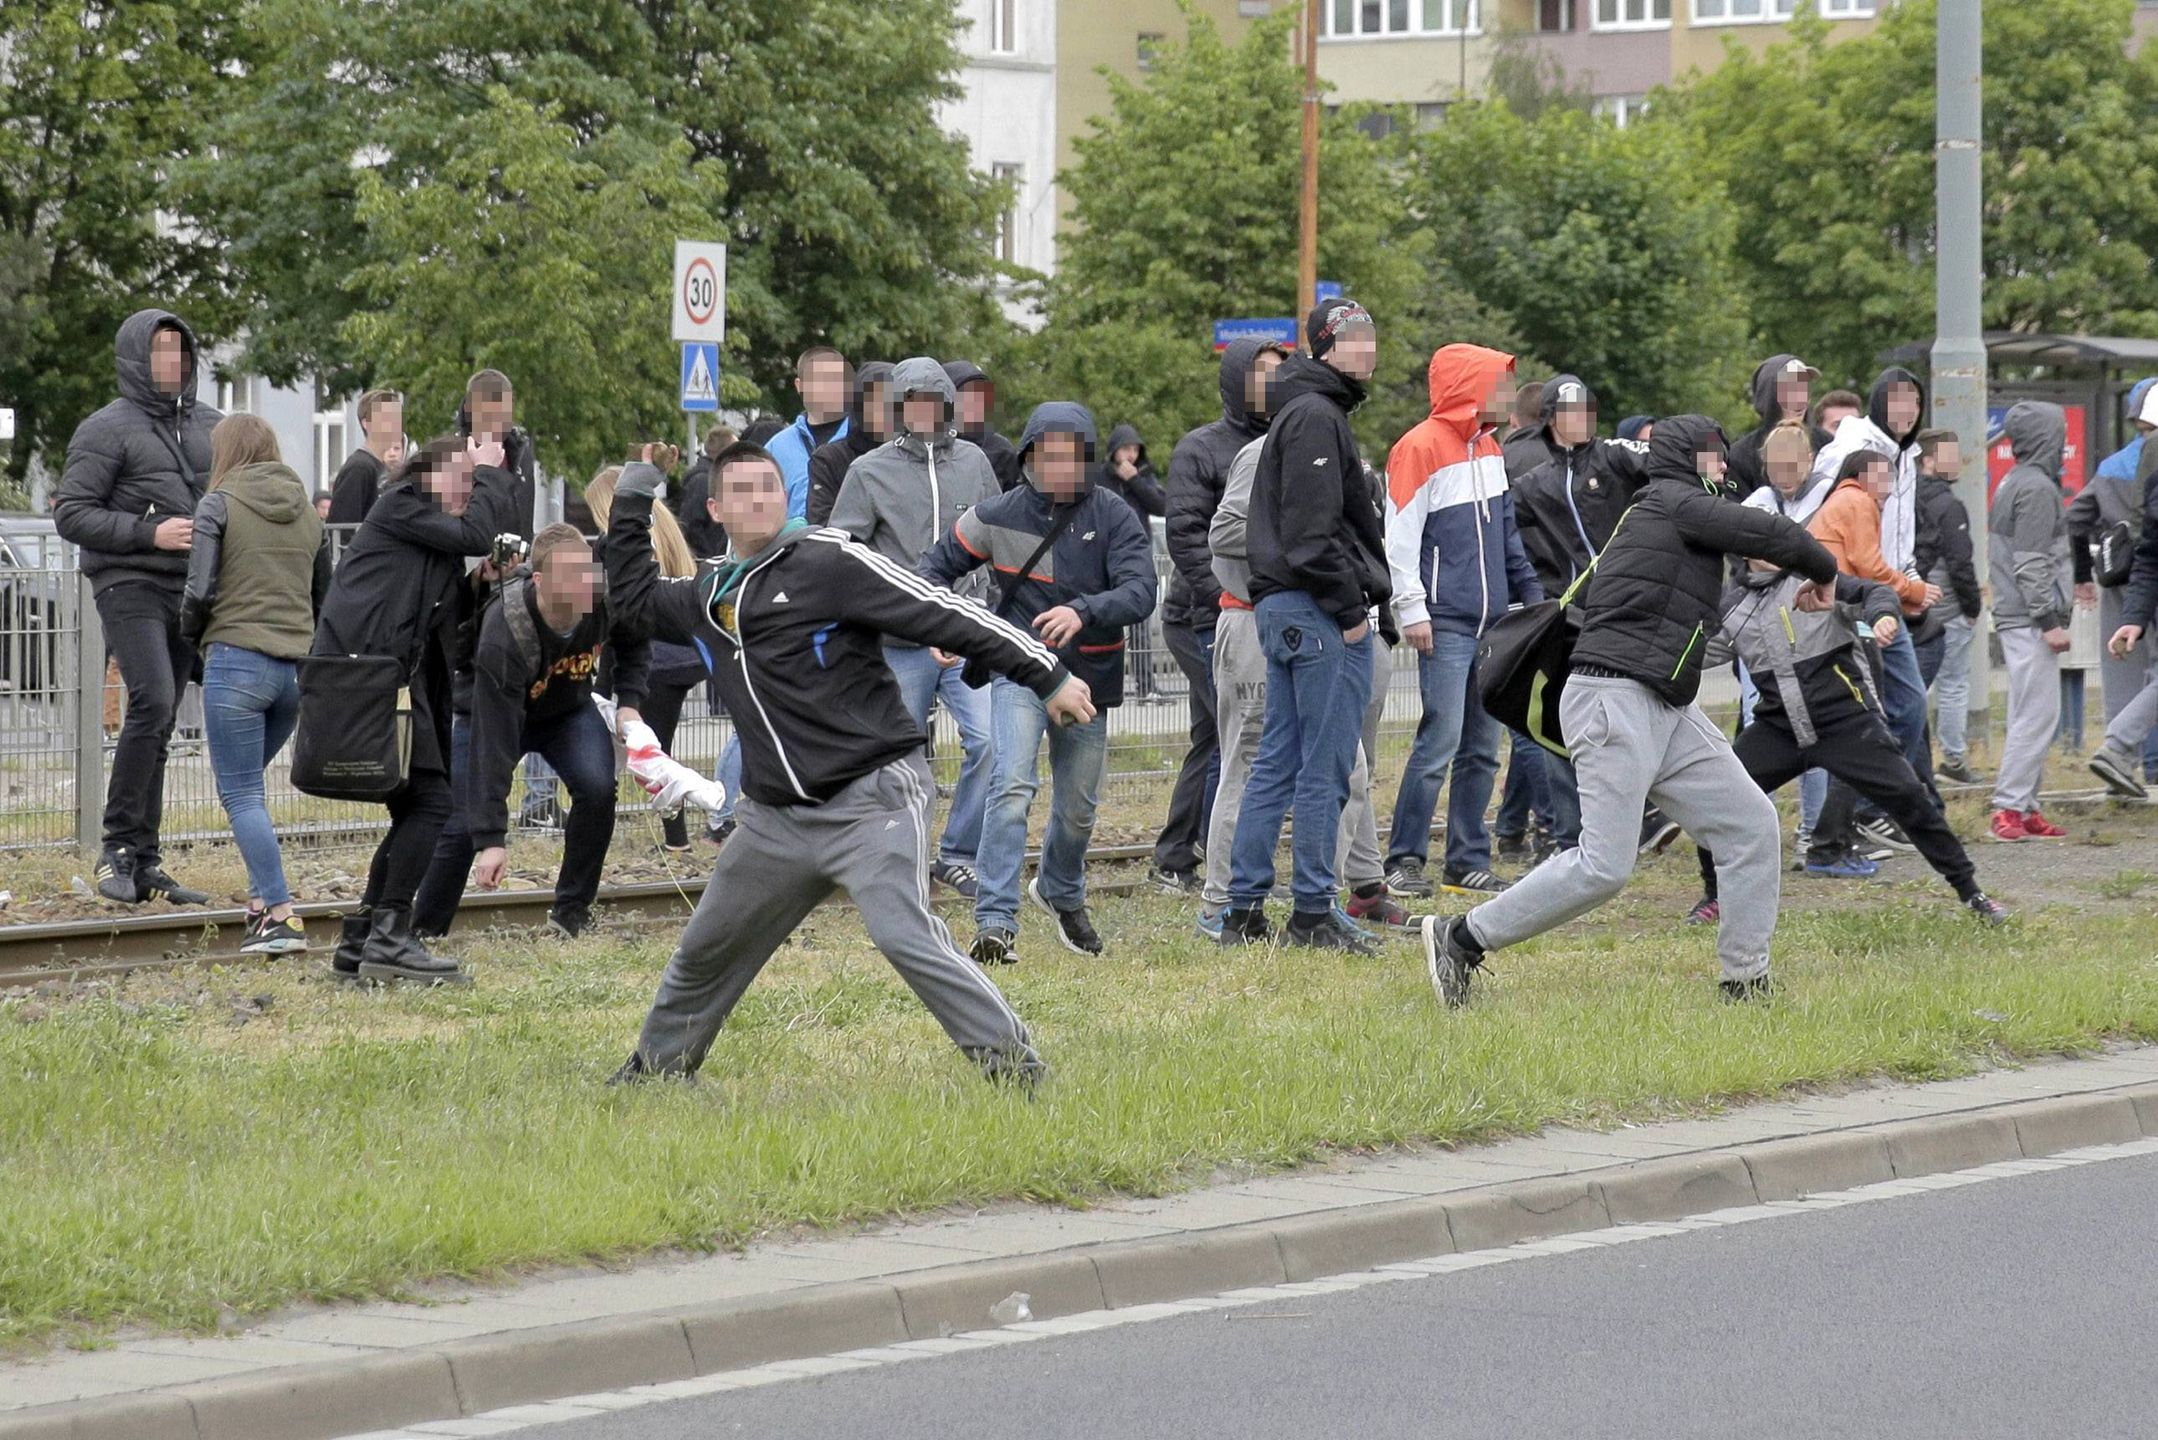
(700,376)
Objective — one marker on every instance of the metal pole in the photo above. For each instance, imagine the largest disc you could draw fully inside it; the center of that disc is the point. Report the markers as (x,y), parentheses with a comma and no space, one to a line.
(1959,349)
(89,720)
(1307,245)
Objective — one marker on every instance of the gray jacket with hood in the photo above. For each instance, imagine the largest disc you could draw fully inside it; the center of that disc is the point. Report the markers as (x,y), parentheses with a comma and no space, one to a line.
(2027,526)
(141,460)
(907,494)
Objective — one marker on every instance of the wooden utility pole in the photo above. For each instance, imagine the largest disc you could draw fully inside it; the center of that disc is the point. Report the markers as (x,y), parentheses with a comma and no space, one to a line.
(1307,245)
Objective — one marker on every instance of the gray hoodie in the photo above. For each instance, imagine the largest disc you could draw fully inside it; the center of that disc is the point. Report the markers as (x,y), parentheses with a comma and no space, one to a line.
(908,493)
(2027,528)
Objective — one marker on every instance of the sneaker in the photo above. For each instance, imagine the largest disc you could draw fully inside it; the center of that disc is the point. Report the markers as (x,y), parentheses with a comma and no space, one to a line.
(716,833)
(1881,830)
(2007,827)
(2118,769)
(1448,961)
(1740,992)
(635,1072)
(1329,932)
(1514,847)
(1990,912)
(1704,912)
(1245,927)
(152,883)
(1472,882)
(1074,930)
(274,937)
(2035,825)
(956,877)
(542,814)
(1800,844)
(1379,911)
(115,875)
(1658,830)
(1849,867)
(1173,882)
(564,926)
(995,947)
(1209,923)
(1406,881)
(1872,853)
(1546,845)
(1956,770)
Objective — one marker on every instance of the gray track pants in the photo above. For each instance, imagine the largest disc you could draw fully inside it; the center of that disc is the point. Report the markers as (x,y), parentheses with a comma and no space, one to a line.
(871,840)
(2034,716)
(1240,716)
(1631,749)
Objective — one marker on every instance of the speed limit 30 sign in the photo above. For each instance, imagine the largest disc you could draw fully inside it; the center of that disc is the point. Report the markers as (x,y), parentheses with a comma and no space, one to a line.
(700,291)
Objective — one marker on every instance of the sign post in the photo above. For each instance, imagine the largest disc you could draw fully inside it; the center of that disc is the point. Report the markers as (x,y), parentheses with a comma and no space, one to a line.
(1281,332)
(700,323)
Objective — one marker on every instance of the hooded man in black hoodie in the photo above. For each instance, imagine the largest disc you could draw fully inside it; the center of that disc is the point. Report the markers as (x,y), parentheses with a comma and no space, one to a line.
(1782,390)
(869,424)
(127,497)
(977,397)
(1198,471)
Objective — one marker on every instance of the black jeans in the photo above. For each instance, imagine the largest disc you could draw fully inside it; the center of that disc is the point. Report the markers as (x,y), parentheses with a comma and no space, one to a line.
(577,745)
(142,633)
(1854,745)
(1191,804)
(417,814)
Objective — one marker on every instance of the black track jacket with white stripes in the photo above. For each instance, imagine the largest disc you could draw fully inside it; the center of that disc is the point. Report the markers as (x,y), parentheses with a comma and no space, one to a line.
(795,646)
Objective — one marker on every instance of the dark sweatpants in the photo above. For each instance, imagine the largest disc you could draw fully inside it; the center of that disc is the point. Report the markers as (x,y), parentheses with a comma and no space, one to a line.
(141,620)
(1854,745)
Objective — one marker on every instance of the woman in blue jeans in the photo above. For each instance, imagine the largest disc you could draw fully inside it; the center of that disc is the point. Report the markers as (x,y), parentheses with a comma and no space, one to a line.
(255,579)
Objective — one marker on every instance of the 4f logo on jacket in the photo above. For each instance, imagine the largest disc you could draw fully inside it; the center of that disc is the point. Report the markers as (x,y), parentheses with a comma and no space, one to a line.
(1319,462)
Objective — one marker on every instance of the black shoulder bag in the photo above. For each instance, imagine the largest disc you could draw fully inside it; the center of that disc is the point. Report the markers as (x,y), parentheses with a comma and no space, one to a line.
(976,675)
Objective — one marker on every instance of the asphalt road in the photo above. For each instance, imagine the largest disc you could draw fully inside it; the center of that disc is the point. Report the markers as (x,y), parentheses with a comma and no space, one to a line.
(2013,1308)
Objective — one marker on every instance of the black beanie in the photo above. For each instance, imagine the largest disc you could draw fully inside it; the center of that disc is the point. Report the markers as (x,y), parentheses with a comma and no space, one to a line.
(1327,319)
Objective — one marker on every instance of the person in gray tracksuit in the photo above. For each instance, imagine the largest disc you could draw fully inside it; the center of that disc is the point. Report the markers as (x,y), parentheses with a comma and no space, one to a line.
(900,499)
(2027,550)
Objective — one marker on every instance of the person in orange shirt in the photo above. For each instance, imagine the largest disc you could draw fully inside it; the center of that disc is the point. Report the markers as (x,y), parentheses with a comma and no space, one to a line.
(1849,525)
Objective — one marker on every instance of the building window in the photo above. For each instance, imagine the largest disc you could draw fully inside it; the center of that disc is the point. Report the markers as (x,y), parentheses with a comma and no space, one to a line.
(1003,27)
(235,397)
(1846,9)
(1555,16)
(1008,222)
(1450,17)
(1149,48)
(1355,18)
(1622,110)
(1739,12)
(1430,114)
(1632,14)
(330,447)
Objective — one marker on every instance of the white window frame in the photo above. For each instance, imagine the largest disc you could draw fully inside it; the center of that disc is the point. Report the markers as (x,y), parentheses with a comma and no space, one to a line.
(236,396)
(1007,236)
(1847,9)
(1570,12)
(1622,110)
(1648,9)
(1773,12)
(1003,27)
(330,447)
(1419,15)
(1475,13)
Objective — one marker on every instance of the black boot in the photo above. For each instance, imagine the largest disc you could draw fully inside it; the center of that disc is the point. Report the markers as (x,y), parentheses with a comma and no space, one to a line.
(392,953)
(351,941)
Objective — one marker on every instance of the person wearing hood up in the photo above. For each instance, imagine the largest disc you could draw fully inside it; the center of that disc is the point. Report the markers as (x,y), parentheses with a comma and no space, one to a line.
(1075,565)
(256,576)
(1318,567)
(2027,553)
(2114,763)
(1946,559)
(1781,389)
(1635,730)
(869,424)
(900,499)
(1124,471)
(977,398)
(1637,427)
(2104,521)
(821,379)
(127,497)
(1454,552)
(1191,609)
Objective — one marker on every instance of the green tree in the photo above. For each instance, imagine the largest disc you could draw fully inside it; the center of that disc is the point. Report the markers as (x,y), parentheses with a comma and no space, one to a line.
(544,256)
(1606,246)
(96,100)
(1827,157)
(1527,78)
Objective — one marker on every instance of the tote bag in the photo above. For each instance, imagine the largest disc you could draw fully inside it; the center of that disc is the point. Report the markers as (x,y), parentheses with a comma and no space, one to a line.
(354,738)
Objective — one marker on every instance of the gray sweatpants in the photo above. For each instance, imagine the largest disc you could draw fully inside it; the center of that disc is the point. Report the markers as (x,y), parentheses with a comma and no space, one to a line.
(2132,725)
(1630,749)
(1240,717)
(2034,716)
(871,840)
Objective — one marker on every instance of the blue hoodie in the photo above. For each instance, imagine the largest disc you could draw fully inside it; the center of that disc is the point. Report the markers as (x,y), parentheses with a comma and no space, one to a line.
(2121,464)
(792,448)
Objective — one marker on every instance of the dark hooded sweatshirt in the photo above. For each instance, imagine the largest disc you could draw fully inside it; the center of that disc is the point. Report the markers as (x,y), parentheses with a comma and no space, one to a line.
(1657,592)
(143,459)
(1143,491)
(1312,527)
(1568,505)
(1748,473)
(828,462)
(1198,469)
(1003,455)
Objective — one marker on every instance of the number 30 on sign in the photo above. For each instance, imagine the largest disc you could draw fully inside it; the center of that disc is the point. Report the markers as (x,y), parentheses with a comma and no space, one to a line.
(700,291)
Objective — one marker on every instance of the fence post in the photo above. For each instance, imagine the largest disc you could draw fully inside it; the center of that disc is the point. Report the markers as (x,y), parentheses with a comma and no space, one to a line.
(89,719)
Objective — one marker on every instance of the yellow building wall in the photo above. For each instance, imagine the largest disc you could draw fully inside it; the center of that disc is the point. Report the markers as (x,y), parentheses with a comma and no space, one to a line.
(1701,47)
(1407,71)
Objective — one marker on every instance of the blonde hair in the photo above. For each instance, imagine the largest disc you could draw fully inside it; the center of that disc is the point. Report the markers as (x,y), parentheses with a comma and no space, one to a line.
(1786,435)
(241,440)
(676,560)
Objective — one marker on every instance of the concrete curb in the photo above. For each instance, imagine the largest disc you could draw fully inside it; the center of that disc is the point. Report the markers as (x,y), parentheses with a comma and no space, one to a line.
(465,1377)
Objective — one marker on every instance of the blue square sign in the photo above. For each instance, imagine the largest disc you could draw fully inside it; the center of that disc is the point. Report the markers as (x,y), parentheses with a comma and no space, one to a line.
(700,376)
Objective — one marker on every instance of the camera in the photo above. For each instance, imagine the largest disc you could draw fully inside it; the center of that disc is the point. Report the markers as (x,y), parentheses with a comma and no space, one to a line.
(509,551)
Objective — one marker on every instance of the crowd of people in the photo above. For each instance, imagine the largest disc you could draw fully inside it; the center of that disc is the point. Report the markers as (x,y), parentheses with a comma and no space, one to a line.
(833,580)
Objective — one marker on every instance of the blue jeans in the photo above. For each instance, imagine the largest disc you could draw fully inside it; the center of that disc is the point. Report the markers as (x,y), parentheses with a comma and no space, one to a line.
(1317,685)
(1527,794)
(922,682)
(1455,731)
(729,774)
(1018,722)
(250,702)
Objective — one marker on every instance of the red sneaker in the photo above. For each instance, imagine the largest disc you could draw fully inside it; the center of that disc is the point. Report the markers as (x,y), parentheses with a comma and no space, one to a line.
(2008,826)
(2038,827)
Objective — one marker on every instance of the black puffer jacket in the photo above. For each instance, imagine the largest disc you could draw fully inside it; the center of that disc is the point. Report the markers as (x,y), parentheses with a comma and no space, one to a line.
(1656,596)
(141,460)
(1003,455)
(1198,469)
(1312,529)
(1143,491)
(828,462)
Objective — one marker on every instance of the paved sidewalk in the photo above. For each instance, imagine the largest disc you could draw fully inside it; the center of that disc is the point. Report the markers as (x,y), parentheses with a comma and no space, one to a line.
(142,1363)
